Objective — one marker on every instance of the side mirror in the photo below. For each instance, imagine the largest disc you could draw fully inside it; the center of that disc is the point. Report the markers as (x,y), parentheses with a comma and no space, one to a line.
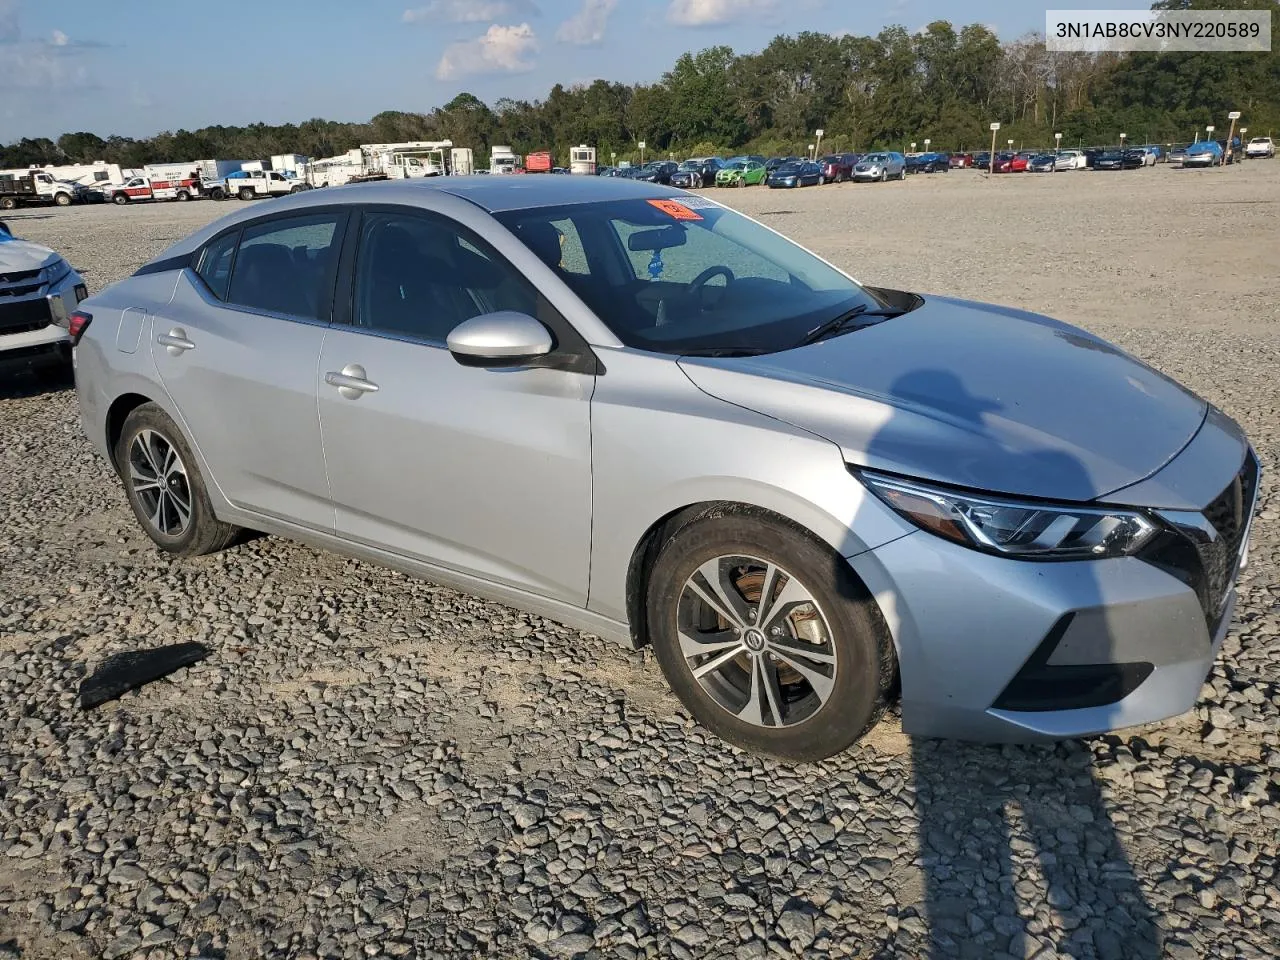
(501,339)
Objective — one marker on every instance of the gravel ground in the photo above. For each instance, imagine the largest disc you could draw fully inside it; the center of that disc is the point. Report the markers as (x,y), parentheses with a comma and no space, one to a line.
(374,766)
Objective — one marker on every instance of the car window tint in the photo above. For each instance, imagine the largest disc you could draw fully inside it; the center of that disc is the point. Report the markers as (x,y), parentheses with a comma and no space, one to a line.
(281,266)
(215,263)
(420,277)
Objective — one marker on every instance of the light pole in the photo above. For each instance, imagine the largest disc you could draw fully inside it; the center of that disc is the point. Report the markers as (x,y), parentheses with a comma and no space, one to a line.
(613,158)
(641,145)
(1057,143)
(1122,136)
(818,133)
(812,155)
(913,146)
(994,128)
(927,141)
(1233,116)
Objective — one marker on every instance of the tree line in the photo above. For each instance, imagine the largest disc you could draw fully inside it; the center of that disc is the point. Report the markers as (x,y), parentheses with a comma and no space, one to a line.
(943,83)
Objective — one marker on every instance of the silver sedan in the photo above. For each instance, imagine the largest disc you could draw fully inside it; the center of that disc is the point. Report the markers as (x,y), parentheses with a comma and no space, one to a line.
(640,413)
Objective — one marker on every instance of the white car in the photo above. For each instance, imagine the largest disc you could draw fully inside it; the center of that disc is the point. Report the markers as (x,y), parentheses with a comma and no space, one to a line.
(1260,147)
(1071,160)
(38,291)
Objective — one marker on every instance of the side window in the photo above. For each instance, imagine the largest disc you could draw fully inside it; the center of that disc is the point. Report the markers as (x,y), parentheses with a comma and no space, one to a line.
(215,263)
(420,277)
(282,265)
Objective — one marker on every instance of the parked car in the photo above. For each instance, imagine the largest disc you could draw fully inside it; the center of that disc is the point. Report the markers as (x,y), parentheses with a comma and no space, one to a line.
(881,166)
(774,162)
(804,173)
(1177,155)
(1206,153)
(982,161)
(699,172)
(1260,147)
(39,289)
(1010,163)
(928,163)
(656,171)
(1071,160)
(1092,154)
(864,512)
(838,167)
(1043,163)
(1120,160)
(742,173)
(961,160)
(1152,153)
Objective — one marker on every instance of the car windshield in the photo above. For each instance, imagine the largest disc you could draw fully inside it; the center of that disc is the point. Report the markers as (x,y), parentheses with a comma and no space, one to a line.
(691,165)
(673,278)
(736,165)
(875,158)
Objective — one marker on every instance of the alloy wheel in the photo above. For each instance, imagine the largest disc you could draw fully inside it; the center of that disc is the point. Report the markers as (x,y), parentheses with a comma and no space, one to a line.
(756,640)
(158,479)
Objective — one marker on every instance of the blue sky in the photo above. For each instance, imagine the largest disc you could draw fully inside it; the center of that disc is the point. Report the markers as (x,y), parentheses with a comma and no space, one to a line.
(135,67)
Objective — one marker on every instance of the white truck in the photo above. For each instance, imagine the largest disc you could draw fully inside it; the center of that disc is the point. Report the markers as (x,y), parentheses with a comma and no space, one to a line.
(1260,147)
(20,188)
(582,160)
(461,162)
(263,183)
(503,160)
(380,161)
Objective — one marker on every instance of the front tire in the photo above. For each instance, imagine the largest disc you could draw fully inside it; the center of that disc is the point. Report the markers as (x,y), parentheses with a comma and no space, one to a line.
(164,486)
(120,199)
(63,199)
(766,636)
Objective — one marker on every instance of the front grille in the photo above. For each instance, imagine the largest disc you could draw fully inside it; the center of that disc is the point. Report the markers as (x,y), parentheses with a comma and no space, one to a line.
(18,276)
(1204,551)
(23,316)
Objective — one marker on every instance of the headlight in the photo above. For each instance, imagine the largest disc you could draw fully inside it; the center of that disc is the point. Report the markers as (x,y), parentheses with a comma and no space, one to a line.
(58,272)
(1022,529)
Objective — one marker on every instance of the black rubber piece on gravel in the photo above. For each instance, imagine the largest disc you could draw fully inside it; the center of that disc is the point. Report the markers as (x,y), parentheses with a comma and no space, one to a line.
(122,672)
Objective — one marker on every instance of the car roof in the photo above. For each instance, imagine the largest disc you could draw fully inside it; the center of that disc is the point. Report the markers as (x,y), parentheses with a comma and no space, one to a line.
(498,194)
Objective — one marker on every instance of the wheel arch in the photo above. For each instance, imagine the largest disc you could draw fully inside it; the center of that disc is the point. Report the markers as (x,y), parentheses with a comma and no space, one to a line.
(662,530)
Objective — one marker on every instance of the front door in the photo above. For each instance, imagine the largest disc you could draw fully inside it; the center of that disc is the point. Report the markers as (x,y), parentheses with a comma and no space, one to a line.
(484,471)
(237,349)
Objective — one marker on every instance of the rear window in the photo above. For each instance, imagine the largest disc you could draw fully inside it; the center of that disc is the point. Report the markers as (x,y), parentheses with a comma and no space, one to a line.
(282,266)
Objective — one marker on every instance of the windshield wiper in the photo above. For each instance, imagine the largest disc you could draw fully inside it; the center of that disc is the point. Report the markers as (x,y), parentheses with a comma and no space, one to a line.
(723,352)
(846,319)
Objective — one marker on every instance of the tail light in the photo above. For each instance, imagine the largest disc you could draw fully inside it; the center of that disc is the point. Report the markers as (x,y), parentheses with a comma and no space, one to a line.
(77,324)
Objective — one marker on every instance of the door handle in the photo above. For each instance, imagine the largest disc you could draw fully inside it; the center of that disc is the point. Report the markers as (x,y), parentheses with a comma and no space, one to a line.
(351,382)
(175,341)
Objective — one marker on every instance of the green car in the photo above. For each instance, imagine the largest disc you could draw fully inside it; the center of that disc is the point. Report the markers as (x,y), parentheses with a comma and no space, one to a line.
(741,173)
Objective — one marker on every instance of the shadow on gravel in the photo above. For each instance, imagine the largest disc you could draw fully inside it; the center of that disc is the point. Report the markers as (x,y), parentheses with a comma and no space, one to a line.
(30,377)
(1019,854)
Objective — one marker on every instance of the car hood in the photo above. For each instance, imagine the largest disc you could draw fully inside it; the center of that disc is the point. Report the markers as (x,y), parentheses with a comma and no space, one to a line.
(19,255)
(973,395)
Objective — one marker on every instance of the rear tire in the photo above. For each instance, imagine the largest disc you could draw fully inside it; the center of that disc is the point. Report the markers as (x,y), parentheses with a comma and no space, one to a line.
(830,630)
(246,193)
(183,196)
(164,486)
(8,203)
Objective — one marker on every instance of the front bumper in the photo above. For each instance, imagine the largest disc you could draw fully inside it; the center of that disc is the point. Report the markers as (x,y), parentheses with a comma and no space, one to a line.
(1003,650)
(26,323)
(866,174)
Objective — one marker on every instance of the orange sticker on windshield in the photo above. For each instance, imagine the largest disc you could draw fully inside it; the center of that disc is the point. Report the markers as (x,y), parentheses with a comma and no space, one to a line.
(675,210)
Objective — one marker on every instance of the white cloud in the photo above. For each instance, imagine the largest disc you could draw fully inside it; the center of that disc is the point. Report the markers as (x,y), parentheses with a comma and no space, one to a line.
(498,50)
(708,13)
(468,11)
(586,27)
(57,64)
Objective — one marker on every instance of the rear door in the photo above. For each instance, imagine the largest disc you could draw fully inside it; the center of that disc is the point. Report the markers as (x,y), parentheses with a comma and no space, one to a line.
(237,349)
(484,471)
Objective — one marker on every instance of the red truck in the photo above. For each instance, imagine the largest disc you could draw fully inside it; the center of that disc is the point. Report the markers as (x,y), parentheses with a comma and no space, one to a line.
(538,162)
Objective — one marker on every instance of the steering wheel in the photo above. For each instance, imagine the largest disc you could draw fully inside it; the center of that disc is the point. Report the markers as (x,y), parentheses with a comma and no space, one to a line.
(697,284)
